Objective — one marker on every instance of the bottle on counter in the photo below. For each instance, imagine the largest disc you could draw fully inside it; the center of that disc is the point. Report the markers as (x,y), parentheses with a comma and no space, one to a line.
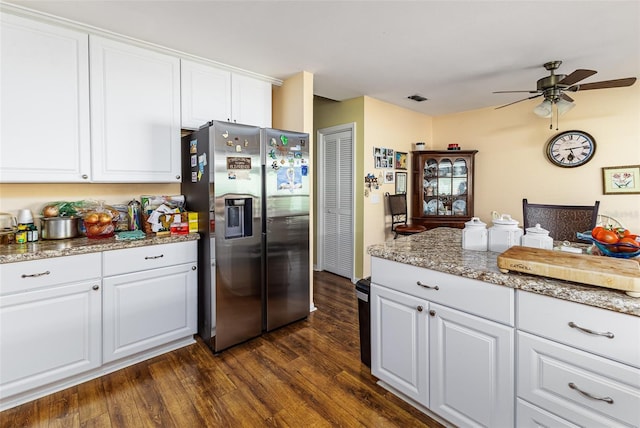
(27,231)
(135,214)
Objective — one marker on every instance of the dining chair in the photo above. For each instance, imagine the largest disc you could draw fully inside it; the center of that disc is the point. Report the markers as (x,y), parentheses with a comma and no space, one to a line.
(398,210)
(562,221)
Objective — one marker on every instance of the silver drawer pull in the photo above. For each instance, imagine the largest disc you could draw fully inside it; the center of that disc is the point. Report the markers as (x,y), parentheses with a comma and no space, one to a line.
(430,287)
(35,275)
(586,330)
(154,257)
(586,394)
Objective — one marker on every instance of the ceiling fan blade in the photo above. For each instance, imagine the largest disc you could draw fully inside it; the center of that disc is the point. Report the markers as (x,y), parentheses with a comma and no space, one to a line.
(566,98)
(513,92)
(576,76)
(524,99)
(617,83)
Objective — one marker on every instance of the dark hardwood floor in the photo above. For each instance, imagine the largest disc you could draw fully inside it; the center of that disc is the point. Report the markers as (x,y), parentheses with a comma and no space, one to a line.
(307,374)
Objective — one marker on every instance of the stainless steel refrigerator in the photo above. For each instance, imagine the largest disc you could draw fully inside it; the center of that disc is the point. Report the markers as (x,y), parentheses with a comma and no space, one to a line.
(250,187)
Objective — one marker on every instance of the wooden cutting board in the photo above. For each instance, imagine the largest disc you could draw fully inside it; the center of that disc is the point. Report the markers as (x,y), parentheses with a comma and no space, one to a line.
(608,272)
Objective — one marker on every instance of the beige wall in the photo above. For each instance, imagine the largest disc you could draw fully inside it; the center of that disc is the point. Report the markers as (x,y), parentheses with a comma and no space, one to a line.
(34,196)
(511,164)
(391,127)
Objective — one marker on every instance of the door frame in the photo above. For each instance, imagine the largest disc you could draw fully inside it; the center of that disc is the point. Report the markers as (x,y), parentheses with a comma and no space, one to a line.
(320,139)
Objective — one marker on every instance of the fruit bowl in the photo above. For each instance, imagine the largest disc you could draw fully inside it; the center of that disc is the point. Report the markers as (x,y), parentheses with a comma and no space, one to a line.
(621,251)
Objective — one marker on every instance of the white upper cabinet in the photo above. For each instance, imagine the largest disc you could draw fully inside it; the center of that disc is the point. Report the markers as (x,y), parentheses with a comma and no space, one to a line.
(135,113)
(206,94)
(45,102)
(251,101)
(211,93)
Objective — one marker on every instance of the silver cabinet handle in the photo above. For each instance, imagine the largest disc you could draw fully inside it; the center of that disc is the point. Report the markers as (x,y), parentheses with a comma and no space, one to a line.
(432,313)
(419,308)
(430,287)
(85,176)
(586,394)
(35,275)
(96,287)
(154,257)
(586,330)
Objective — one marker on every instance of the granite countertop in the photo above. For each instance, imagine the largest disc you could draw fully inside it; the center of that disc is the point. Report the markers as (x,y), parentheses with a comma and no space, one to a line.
(441,250)
(70,247)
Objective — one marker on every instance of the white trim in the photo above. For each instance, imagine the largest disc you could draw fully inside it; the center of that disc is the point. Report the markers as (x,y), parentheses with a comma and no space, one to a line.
(68,23)
(320,195)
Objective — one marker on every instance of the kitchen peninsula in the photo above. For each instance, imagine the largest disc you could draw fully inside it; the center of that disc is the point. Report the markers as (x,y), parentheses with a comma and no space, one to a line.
(461,340)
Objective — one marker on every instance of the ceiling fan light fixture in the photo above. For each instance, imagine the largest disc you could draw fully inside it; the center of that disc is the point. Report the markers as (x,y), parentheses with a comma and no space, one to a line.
(544,109)
(564,106)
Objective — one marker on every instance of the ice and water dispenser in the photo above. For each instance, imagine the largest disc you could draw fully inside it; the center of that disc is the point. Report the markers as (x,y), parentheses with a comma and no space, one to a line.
(238,217)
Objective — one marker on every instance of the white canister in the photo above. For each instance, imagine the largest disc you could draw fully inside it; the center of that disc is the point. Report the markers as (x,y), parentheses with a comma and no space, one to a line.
(504,233)
(475,235)
(537,237)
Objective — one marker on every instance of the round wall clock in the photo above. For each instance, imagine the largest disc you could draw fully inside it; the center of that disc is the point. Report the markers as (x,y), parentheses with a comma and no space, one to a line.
(571,148)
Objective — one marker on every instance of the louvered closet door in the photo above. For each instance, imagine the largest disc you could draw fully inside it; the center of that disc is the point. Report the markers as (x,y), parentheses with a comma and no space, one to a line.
(338,203)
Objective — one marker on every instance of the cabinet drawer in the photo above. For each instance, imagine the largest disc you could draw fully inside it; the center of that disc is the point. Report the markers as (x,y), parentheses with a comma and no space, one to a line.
(24,276)
(558,378)
(119,262)
(486,300)
(551,318)
(530,416)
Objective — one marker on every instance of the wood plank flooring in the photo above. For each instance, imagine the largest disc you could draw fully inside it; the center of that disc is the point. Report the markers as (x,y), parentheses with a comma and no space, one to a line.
(307,374)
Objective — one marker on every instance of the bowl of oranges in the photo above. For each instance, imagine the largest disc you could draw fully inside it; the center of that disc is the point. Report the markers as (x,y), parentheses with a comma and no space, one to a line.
(613,241)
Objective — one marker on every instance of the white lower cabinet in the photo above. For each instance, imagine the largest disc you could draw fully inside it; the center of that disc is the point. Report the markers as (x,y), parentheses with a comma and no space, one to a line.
(578,363)
(399,336)
(458,365)
(471,368)
(65,320)
(50,321)
(149,308)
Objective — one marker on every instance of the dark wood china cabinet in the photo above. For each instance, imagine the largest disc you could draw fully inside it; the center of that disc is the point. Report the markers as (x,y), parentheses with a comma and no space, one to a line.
(442,188)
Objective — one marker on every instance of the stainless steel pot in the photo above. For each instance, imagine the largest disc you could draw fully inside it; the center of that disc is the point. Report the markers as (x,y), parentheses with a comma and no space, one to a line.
(59,227)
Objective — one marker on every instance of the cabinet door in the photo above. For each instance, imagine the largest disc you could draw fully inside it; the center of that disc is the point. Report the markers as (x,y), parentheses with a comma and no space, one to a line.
(48,335)
(149,308)
(251,101)
(135,113)
(471,366)
(205,94)
(399,340)
(44,102)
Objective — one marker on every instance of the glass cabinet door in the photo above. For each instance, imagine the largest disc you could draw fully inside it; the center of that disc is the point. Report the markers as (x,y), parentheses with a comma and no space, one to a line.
(445,182)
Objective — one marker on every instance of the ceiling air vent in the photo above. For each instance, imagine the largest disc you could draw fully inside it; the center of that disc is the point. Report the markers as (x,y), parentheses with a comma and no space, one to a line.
(417,98)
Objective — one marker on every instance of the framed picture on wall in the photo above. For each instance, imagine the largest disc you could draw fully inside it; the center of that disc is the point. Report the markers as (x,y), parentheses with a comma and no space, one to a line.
(618,180)
(401,182)
(388,177)
(401,160)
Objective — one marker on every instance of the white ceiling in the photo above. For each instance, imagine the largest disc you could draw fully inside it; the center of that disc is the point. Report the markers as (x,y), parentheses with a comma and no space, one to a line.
(455,53)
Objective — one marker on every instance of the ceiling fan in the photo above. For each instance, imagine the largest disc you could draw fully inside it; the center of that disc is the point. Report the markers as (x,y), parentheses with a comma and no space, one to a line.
(554,87)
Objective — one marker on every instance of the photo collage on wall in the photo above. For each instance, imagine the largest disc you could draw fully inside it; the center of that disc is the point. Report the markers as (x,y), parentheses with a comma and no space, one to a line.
(388,159)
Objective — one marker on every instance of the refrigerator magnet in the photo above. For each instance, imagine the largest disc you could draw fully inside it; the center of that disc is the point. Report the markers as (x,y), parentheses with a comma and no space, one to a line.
(246,143)
(284,140)
(225,134)
(304,170)
(273,142)
(194,160)
(194,177)
(238,148)
(193,146)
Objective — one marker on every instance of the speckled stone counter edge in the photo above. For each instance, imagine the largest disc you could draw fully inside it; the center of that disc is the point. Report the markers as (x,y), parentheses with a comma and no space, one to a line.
(441,250)
(69,247)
